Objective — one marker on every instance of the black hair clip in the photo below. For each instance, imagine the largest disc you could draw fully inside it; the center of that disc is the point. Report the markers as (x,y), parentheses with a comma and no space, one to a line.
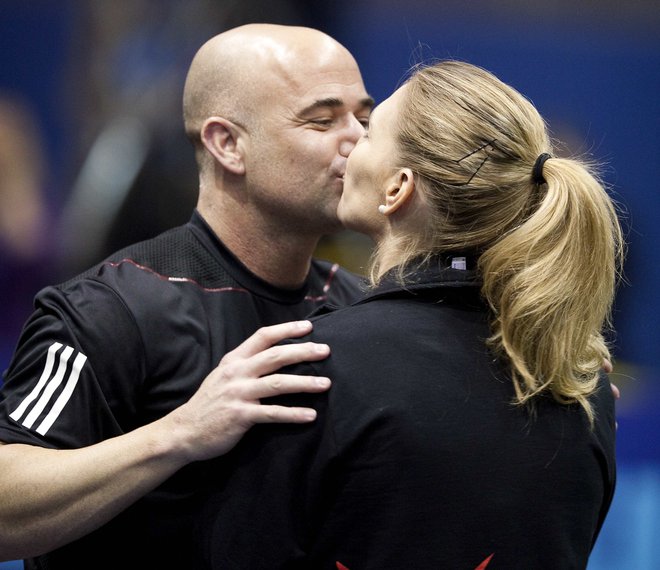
(482,147)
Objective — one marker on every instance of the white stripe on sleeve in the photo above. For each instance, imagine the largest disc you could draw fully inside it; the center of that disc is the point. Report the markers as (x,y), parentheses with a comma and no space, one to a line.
(50,388)
(50,359)
(78,363)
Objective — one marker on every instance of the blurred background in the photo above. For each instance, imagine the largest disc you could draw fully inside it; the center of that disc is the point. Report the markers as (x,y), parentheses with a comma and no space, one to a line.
(93,155)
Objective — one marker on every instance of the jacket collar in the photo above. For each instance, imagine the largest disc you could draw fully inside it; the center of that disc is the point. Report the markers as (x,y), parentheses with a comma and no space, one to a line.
(435,278)
(448,271)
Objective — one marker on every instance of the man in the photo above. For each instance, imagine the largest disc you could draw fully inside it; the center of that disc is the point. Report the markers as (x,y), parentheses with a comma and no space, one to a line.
(104,415)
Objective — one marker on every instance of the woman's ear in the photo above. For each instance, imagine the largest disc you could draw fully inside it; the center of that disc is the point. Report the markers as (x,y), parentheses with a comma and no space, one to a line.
(221,138)
(399,191)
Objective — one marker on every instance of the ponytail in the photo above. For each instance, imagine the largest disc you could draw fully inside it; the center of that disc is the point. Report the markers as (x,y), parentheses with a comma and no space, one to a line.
(550,284)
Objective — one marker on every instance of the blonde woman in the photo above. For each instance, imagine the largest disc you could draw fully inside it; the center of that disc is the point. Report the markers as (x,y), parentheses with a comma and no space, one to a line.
(468,426)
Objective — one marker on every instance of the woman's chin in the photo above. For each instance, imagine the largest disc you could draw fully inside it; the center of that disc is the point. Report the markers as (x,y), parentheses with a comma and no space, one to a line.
(359,227)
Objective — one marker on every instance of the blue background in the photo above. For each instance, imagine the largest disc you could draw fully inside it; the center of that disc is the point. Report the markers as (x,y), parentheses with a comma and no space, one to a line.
(592,70)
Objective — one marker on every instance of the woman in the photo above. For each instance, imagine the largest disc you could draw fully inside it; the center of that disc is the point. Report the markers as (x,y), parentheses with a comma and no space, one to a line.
(467,426)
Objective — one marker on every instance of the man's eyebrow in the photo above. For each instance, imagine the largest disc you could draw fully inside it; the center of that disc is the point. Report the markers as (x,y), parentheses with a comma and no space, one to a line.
(334,102)
(368,103)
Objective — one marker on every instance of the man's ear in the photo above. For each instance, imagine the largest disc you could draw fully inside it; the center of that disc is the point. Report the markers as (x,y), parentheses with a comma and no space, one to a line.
(221,138)
(399,191)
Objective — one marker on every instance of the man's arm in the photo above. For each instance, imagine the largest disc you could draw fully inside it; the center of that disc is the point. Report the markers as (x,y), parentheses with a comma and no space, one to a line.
(52,497)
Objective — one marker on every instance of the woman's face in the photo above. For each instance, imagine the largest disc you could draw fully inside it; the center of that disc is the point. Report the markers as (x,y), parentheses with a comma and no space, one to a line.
(371,166)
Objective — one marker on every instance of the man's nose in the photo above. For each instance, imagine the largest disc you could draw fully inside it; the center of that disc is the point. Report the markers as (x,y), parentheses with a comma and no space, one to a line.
(354,131)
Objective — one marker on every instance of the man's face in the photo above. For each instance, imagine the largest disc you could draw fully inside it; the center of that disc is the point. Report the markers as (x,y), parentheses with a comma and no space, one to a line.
(312,117)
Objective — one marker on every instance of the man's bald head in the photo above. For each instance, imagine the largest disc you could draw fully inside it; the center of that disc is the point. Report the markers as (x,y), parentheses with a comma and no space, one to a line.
(234,71)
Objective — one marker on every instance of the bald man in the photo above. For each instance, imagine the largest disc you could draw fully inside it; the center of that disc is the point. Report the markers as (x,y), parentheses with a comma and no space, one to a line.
(114,397)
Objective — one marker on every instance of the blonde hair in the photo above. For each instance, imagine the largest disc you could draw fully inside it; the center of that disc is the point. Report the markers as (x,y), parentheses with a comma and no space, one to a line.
(548,253)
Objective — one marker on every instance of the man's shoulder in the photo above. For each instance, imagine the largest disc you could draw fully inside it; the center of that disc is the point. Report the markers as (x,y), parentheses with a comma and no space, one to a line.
(177,255)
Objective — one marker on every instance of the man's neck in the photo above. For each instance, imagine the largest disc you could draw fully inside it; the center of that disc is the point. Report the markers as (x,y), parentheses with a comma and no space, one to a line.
(277,257)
